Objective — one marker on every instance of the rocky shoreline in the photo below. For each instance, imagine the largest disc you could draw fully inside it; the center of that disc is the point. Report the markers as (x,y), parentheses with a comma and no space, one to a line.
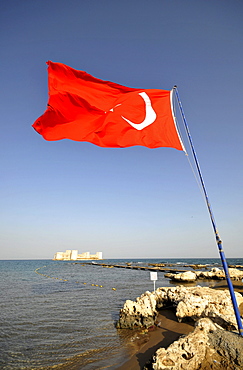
(207,347)
(213,344)
(214,274)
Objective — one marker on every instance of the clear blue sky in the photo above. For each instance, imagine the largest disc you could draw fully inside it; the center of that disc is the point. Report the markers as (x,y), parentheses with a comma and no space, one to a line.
(133,202)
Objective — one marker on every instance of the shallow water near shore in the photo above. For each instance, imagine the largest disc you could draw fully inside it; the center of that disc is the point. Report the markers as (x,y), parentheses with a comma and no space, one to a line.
(62,314)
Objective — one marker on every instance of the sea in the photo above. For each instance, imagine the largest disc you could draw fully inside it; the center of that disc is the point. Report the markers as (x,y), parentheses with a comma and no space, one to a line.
(61,314)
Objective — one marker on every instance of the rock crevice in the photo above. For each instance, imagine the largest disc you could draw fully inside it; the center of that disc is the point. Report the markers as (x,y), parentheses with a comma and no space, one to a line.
(207,347)
(190,303)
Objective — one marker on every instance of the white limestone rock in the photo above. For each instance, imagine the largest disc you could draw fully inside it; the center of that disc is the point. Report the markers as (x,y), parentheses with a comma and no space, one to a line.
(187,276)
(191,303)
(198,302)
(214,274)
(141,313)
(207,347)
(187,352)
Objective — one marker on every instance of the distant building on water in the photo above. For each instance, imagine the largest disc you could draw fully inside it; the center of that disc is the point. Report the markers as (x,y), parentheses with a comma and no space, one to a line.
(72,255)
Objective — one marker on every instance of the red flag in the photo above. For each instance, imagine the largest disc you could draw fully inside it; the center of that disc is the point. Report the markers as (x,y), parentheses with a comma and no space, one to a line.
(84,108)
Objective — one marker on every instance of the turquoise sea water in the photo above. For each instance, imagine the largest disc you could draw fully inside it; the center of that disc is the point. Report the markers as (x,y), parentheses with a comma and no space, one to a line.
(62,315)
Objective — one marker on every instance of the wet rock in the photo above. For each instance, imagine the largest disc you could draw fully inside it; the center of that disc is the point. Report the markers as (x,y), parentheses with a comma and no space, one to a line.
(141,313)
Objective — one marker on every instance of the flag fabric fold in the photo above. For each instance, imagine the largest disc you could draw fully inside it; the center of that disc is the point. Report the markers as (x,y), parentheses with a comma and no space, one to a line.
(84,108)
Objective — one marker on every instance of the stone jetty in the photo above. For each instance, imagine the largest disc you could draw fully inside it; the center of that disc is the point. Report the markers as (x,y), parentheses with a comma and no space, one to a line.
(179,272)
(150,267)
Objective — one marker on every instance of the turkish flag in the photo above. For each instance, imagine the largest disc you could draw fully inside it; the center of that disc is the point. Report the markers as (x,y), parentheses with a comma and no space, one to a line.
(84,108)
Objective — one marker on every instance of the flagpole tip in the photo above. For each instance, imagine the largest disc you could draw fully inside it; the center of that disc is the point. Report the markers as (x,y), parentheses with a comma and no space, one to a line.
(175,87)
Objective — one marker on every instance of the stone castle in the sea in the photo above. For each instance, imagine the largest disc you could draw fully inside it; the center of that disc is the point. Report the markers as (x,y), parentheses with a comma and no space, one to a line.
(72,255)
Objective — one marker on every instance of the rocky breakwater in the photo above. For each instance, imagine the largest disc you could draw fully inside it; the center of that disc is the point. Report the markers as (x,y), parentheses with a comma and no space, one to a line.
(214,274)
(214,316)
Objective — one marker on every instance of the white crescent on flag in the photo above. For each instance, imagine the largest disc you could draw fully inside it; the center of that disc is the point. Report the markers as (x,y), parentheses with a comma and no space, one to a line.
(150,115)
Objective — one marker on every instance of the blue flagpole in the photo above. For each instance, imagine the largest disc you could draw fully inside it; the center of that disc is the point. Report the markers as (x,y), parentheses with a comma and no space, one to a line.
(218,240)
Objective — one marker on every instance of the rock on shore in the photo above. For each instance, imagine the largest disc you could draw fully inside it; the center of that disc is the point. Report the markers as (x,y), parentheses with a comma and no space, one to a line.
(215,274)
(191,303)
(207,347)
